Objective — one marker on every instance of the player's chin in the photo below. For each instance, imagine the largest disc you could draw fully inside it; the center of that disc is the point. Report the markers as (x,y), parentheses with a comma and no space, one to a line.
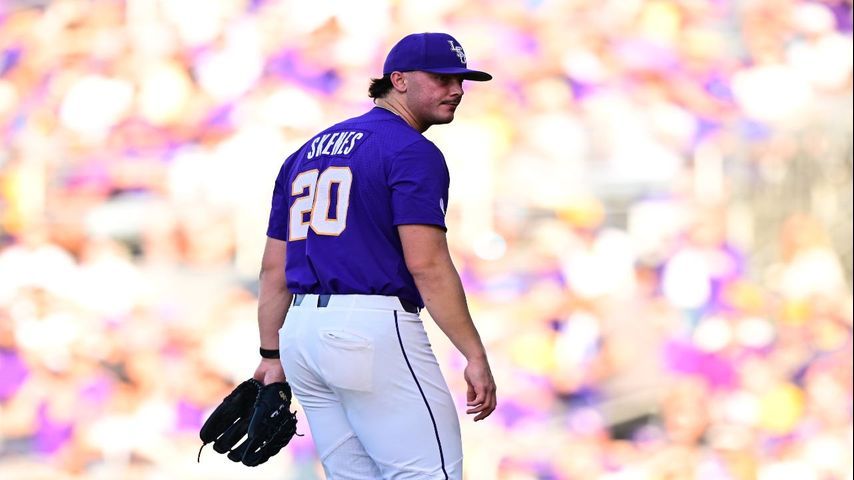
(446,116)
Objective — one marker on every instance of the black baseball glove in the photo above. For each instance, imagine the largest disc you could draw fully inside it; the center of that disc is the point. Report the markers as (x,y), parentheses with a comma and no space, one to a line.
(261,413)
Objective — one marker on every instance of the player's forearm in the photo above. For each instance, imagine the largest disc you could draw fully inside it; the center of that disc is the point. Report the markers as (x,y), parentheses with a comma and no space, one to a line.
(443,295)
(273,302)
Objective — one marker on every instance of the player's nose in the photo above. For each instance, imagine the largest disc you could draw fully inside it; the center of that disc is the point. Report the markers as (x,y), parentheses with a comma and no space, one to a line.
(456,86)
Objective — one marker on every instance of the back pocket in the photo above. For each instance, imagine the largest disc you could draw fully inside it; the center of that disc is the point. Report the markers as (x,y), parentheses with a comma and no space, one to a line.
(346,360)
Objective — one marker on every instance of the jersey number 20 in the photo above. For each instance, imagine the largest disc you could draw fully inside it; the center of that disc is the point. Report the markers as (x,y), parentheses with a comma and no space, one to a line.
(314,191)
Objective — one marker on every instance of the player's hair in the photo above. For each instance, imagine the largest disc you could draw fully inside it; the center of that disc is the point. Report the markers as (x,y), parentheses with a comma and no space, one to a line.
(380,87)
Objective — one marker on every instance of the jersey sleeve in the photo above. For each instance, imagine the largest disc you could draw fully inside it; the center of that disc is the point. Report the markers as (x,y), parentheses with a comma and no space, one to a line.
(419,180)
(277,226)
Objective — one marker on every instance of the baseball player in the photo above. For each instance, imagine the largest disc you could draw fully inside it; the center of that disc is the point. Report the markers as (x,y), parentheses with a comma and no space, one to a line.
(356,248)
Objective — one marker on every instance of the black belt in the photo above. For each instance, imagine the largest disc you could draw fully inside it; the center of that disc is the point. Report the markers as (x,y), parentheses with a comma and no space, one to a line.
(323,300)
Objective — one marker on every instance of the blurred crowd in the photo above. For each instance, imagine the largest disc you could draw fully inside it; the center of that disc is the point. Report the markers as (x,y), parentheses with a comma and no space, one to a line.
(651,211)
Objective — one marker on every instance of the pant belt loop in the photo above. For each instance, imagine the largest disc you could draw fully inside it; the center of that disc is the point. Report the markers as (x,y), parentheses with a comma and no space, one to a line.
(323,300)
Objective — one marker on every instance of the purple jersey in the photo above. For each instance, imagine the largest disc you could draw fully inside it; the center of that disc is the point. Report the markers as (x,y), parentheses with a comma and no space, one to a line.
(339,199)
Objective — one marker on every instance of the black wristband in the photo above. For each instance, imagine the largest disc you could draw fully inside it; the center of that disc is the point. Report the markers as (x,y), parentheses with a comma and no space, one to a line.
(269,353)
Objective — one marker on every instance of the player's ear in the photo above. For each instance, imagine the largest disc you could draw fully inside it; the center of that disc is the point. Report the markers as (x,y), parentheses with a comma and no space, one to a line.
(398,81)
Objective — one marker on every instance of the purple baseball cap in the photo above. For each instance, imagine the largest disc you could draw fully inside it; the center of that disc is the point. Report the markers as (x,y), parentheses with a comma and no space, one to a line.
(431,52)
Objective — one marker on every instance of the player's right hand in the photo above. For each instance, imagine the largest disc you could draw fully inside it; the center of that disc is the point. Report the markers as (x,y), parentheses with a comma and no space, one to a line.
(481,398)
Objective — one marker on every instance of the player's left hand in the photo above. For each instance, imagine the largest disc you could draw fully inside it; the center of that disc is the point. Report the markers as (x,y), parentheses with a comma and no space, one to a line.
(269,371)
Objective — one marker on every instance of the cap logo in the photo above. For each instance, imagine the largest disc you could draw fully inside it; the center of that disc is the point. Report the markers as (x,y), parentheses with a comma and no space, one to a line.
(459,51)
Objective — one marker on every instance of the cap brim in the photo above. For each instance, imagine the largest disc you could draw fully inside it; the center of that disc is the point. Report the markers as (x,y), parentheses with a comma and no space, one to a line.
(467,74)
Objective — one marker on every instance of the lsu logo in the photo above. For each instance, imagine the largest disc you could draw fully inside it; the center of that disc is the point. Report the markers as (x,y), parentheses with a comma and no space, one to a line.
(459,51)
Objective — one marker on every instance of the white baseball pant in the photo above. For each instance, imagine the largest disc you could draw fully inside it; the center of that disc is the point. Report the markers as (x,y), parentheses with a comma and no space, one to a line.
(367,379)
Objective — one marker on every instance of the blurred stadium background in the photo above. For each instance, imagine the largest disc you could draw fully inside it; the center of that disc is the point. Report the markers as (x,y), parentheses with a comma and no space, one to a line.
(651,210)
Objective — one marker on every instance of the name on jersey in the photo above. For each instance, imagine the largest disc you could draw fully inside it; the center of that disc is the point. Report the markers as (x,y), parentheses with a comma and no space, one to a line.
(336,144)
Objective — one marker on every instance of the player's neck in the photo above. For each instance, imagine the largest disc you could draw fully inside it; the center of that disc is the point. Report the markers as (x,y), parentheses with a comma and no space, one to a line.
(401,111)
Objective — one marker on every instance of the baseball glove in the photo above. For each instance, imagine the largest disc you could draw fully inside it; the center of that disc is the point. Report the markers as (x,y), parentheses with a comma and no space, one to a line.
(259,412)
